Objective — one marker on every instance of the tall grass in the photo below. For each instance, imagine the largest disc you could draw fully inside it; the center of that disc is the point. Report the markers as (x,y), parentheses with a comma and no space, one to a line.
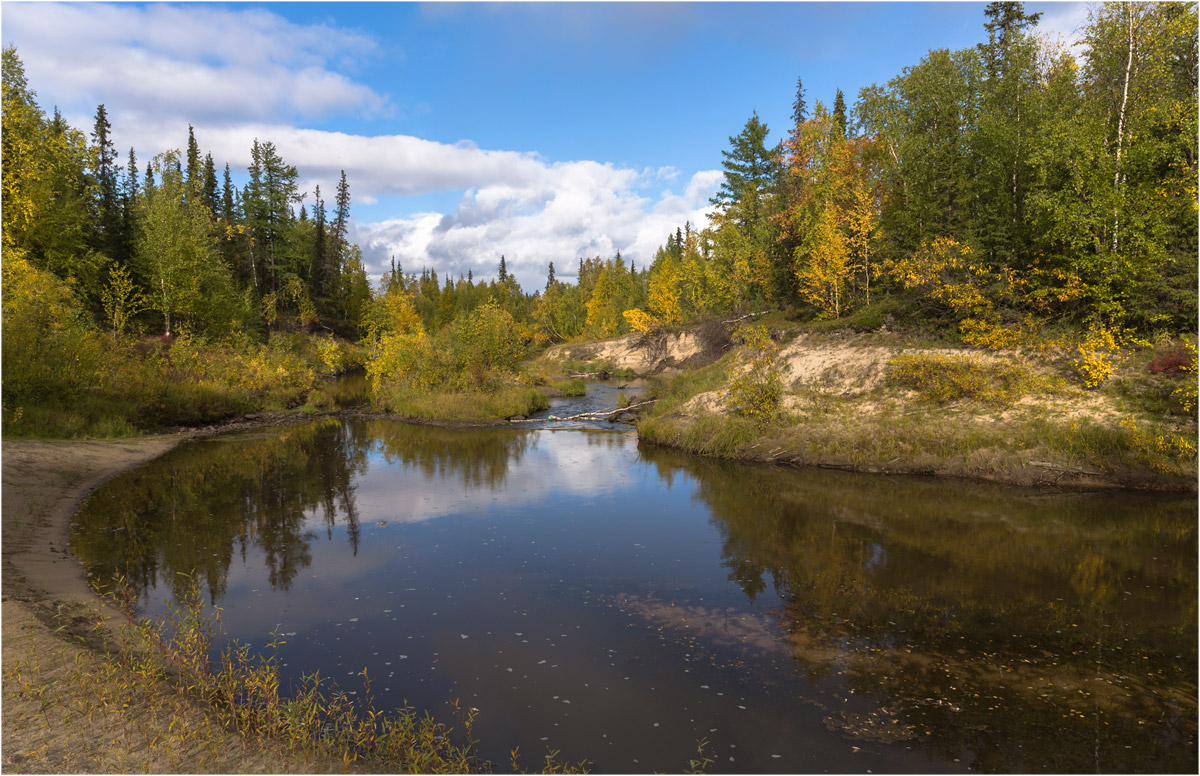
(941,441)
(316,720)
(483,405)
(943,378)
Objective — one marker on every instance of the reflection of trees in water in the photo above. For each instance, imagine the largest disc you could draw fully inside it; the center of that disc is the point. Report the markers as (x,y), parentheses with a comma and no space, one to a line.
(477,457)
(184,513)
(986,616)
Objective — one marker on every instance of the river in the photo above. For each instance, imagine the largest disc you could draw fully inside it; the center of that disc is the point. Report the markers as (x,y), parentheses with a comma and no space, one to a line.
(620,603)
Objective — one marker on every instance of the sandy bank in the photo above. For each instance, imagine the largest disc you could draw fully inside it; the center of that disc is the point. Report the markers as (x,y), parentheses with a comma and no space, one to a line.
(68,708)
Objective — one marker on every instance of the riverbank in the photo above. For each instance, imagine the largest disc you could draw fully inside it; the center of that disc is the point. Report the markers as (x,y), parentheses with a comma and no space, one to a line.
(885,402)
(69,707)
(87,690)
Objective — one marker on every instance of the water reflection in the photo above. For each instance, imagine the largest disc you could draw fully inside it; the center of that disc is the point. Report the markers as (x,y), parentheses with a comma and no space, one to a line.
(476,460)
(187,514)
(803,620)
(976,614)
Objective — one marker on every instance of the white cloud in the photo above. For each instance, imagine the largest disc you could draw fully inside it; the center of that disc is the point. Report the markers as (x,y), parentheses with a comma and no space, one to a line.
(572,210)
(240,74)
(1065,19)
(1065,23)
(189,63)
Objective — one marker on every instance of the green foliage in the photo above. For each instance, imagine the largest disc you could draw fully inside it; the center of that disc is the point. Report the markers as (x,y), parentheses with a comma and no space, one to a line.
(51,349)
(748,163)
(573,387)
(176,254)
(47,190)
(122,300)
(487,341)
(468,370)
(71,381)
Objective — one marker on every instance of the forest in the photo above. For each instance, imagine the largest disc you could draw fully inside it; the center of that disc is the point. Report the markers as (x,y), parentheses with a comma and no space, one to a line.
(1009,194)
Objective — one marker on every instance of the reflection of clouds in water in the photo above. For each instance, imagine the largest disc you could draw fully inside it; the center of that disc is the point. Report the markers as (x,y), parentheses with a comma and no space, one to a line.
(573,462)
(336,572)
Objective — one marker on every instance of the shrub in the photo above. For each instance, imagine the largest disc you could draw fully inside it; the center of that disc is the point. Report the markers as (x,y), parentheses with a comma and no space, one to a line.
(51,348)
(469,369)
(1097,356)
(757,388)
(1173,361)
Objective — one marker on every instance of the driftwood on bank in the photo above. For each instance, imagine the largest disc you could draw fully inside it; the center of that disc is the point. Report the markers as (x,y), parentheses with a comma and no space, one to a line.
(602,415)
(744,317)
(1065,469)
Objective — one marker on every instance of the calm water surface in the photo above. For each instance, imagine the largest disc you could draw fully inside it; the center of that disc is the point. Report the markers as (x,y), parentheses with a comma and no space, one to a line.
(618,603)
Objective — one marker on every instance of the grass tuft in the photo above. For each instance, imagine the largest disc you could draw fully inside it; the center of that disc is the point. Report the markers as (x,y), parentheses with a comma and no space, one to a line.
(944,378)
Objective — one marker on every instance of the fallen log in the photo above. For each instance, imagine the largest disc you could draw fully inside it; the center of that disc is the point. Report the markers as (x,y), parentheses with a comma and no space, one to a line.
(604,415)
(1065,469)
(744,317)
(601,415)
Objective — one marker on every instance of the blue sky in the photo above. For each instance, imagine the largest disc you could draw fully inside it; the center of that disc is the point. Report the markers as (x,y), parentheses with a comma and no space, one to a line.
(541,131)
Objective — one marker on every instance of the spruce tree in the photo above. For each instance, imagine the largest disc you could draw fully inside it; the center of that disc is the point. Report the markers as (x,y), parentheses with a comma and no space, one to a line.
(131,180)
(1004,18)
(320,270)
(228,213)
(839,111)
(749,164)
(799,107)
(194,171)
(210,184)
(110,235)
(341,217)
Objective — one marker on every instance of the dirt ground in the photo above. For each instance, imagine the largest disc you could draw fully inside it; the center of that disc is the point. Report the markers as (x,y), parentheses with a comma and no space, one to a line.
(67,707)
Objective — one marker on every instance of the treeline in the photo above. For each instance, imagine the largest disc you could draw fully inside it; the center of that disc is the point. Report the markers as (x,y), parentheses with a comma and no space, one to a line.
(1005,185)
(197,252)
(1007,188)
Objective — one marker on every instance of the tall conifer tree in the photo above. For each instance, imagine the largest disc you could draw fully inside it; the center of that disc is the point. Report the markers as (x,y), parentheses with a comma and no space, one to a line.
(110,237)
(195,172)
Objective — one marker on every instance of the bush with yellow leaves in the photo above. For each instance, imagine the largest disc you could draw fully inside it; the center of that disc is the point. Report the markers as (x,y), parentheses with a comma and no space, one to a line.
(757,389)
(1097,356)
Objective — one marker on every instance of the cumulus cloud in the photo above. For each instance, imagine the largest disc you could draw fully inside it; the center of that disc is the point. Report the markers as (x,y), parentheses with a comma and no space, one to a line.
(201,63)
(570,211)
(513,203)
(240,74)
